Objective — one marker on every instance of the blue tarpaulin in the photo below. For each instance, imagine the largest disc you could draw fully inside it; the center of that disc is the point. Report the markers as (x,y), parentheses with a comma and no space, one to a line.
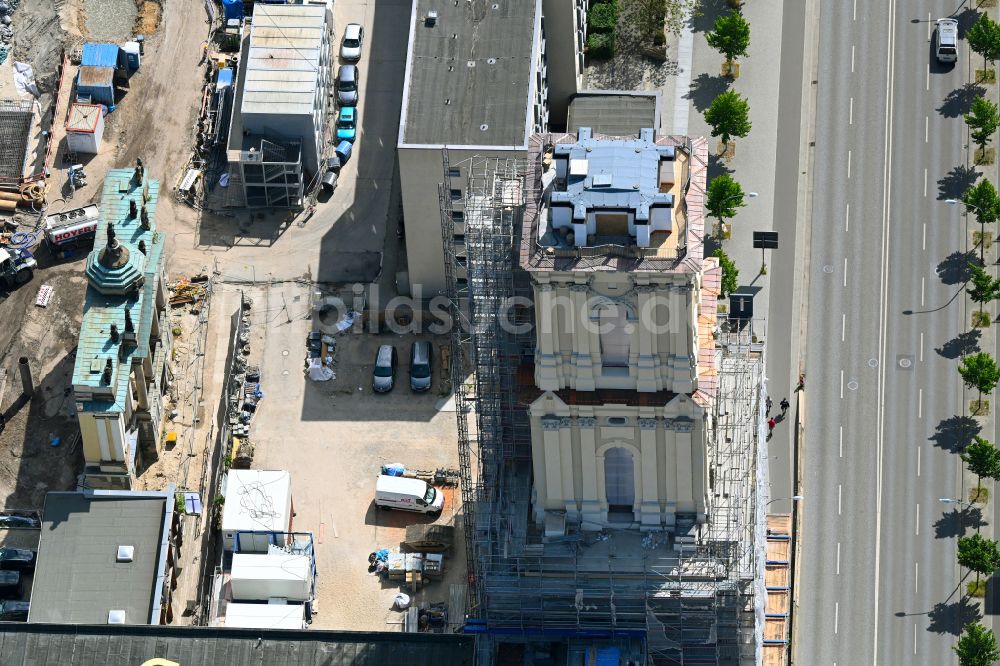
(102,55)
(232,9)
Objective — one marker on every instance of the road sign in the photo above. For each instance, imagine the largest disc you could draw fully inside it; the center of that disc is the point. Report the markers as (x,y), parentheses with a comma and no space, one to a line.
(765,240)
(741,306)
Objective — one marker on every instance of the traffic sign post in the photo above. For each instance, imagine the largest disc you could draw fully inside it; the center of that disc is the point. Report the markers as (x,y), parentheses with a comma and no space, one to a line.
(765,240)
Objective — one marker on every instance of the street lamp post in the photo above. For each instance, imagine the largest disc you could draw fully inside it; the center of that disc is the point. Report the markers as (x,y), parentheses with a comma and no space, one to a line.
(982,233)
(950,500)
(793,498)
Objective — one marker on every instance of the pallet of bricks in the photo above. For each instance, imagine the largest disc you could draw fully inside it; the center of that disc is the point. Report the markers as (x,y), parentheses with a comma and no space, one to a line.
(250,397)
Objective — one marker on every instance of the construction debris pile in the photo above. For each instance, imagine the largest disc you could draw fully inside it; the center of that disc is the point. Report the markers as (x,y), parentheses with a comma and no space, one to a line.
(7,8)
(186,291)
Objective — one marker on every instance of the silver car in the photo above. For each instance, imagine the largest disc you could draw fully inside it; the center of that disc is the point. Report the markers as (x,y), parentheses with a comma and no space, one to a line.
(350,48)
(384,375)
(347,85)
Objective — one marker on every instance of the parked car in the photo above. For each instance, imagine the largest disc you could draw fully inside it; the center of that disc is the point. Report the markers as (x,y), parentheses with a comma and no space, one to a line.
(347,124)
(384,375)
(19,521)
(17,559)
(350,48)
(11,586)
(347,85)
(420,366)
(14,611)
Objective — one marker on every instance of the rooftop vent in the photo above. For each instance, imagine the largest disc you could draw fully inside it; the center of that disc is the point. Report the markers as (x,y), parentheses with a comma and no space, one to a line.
(116,617)
(432,19)
(125,554)
(578,167)
(602,180)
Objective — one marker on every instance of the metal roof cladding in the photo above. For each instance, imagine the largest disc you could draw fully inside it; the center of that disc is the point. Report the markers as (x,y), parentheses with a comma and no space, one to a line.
(101,55)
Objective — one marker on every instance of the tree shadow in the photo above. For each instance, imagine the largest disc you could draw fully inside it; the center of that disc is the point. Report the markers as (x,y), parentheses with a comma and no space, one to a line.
(957,522)
(717,166)
(954,269)
(705,88)
(954,433)
(958,102)
(703,19)
(965,19)
(962,344)
(951,618)
(956,182)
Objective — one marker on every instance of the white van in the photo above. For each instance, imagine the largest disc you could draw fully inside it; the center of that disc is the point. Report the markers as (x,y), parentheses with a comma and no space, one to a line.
(946,40)
(398,492)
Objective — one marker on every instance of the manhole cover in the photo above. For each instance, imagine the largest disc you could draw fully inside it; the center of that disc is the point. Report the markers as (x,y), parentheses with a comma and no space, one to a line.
(905,361)
(284,352)
(873,363)
(828,268)
(852,385)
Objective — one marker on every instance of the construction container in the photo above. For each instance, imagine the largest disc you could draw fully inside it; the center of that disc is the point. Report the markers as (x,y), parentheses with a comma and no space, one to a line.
(102,55)
(258,506)
(96,85)
(266,616)
(85,128)
(256,577)
(133,56)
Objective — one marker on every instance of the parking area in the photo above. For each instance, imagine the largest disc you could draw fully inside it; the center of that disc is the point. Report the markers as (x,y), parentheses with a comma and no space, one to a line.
(333,437)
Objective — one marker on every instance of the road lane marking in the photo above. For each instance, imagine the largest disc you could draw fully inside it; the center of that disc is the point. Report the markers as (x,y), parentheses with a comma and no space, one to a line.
(843,327)
(924,242)
(847,219)
(883,311)
(928,26)
(920,405)
(841,384)
(928,76)
(850,112)
(852,58)
(914,638)
(925,182)
(848,165)
(921,347)
(923,283)
(927,127)
(918,459)
(836,617)
(916,576)
(917,521)
(845,271)
(838,558)
(855,10)
(840,504)
(841,441)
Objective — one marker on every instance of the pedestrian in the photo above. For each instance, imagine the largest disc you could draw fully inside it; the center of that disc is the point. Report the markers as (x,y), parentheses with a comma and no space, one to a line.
(770,425)
(784,405)
(802,382)
(768,404)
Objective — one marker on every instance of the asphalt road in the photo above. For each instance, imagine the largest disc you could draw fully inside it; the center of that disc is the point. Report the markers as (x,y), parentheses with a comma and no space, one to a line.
(878,578)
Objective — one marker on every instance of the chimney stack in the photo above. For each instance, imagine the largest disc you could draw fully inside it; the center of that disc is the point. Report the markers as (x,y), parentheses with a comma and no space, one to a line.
(144,217)
(114,333)
(142,246)
(132,209)
(106,375)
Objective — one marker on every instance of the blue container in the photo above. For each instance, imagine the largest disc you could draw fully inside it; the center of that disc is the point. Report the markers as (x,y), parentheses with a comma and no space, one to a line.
(97,84)
(232,9)
(102,55)
(343,151)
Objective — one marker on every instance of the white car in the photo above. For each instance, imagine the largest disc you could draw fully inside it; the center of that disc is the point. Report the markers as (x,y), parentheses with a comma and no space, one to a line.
(946,40)
(354,35)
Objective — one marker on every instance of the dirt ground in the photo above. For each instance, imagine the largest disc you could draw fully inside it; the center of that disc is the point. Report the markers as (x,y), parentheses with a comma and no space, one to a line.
(333,437)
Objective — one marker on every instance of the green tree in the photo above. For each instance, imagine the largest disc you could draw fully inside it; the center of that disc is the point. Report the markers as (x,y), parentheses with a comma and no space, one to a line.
(984,287)
(983,119)
(730,274)
(729,116)
(979,554)
(984,38)
(725,195)
(983,200)
(980,371)
(983,459)
(977,646)
(730,36)
(651,17)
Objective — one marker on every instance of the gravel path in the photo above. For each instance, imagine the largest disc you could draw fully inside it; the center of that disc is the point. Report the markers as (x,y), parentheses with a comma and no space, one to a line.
(110,20)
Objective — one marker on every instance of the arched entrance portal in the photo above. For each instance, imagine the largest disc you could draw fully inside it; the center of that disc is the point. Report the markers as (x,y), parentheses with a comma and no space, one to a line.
(619,484)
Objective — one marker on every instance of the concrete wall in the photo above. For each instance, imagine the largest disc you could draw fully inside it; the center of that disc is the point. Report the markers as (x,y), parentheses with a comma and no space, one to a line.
(668,449)
(662,312)
(421,170)
(565,22)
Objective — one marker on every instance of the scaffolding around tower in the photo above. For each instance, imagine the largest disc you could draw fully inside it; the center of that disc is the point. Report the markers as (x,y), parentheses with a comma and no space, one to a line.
(692,595)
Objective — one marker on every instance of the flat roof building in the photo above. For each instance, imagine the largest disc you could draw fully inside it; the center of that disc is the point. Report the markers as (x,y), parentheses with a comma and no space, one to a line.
(475,84)
(104,557)
(281,103)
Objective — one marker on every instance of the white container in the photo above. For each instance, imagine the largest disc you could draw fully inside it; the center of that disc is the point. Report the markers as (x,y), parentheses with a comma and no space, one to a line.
(85,128)
(262,577)
(266,616)
(256,501)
